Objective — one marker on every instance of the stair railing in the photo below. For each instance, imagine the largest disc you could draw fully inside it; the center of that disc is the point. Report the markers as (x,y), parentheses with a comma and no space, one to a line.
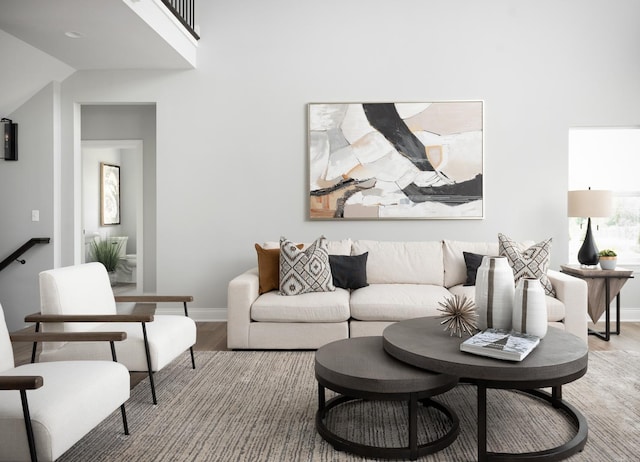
(18,253)
(184,11)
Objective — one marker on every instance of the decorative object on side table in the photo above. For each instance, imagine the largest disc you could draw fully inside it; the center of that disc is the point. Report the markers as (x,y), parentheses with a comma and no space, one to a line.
(530,308)
(459,315)
(107,252)
(494,293)
(608,259)
(587,204)
(501,344)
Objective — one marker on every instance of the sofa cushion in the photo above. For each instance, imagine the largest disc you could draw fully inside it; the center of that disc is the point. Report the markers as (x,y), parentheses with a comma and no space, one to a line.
(402,262)
(311,307)
(349,271)
(530,262)
(303,271)
(555,307)
(395,302)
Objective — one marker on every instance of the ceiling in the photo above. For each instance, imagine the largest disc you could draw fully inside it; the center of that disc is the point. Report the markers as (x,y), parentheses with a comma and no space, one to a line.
(113,35)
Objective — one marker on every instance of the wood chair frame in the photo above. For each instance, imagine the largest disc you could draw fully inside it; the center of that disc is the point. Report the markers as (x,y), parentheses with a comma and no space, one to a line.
(141,317)
(22,383)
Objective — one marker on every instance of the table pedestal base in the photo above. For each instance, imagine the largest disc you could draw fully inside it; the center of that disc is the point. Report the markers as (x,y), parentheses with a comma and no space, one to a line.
(575,445)
(412,451)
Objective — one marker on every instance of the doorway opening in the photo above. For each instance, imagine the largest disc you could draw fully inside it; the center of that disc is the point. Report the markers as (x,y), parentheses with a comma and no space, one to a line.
(128,233)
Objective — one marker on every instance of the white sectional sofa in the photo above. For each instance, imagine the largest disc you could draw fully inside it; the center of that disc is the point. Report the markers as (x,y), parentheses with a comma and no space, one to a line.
(406,280)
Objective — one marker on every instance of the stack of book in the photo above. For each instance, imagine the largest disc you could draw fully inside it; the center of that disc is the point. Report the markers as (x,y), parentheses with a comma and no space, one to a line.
(501,344)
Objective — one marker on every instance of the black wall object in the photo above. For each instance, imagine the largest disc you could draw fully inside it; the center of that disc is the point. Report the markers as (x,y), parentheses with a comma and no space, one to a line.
(10,139)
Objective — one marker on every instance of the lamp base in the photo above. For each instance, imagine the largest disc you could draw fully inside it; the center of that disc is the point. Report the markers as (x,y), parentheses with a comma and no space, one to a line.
(588,253)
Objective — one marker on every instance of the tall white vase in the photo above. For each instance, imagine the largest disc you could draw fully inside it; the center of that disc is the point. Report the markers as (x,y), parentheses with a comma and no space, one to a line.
(494,293)
(530,308)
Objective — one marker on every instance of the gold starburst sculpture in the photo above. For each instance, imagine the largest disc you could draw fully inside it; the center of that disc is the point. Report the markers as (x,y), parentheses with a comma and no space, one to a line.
(459,315)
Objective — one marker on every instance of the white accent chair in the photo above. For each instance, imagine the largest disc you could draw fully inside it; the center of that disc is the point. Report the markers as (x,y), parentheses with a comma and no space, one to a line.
(46,408)
(73,292)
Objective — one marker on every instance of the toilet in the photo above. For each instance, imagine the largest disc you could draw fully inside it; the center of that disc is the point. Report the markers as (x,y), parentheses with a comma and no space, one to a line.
(126,272)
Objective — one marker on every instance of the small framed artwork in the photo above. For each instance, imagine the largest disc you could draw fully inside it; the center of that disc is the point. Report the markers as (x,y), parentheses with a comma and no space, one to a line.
(109,194)
(376,161)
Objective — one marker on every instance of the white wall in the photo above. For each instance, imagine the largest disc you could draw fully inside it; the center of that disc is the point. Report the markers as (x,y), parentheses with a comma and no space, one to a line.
(231,135)
(24,71)
(28,184)
(92,157)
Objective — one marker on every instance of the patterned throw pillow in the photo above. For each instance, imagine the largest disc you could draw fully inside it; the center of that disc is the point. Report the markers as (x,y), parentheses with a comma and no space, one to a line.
(528,263)
(303,271)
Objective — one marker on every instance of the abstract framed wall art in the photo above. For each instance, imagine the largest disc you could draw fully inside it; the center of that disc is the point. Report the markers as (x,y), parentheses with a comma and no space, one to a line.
(396,160)
(109,194)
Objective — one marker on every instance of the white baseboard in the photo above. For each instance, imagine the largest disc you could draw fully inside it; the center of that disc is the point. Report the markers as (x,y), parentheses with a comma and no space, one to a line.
(198,314)
(627,314)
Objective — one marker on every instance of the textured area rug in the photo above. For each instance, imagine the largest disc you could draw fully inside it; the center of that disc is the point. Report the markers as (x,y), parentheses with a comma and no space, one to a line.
(260,406)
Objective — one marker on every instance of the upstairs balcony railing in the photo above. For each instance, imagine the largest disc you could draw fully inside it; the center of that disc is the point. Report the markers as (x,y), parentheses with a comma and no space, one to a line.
(184,10)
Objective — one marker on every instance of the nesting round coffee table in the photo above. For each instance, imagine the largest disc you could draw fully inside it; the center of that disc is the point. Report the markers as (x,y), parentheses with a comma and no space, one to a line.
(359,368)
(560,358)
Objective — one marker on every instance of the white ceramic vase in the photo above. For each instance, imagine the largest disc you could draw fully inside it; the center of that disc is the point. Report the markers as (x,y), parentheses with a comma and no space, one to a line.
(530,308)
(494,293)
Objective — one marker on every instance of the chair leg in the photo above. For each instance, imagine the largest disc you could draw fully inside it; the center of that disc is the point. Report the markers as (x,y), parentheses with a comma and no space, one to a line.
(29,428)
(122,409)
(186,313)
(35,345)
(124,419)
(146,350)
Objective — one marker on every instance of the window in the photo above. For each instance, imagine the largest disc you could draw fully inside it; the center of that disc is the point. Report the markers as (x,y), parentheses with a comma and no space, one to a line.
(608,158)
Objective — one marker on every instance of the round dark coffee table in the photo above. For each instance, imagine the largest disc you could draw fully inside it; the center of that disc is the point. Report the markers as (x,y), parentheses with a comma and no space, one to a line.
(560,358)
(359,368)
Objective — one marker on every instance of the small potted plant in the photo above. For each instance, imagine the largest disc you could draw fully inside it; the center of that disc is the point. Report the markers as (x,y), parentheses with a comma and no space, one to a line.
(608,259)
(107,252)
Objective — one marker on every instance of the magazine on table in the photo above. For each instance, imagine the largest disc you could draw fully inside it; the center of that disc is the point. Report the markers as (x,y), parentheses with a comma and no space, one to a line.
(501,344)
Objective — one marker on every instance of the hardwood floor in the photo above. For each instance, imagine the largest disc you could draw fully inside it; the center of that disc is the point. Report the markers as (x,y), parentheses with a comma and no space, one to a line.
(212,336)
(628,340)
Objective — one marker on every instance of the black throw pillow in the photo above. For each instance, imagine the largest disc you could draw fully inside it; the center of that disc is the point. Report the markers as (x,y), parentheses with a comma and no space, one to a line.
(473,261)
(349,271)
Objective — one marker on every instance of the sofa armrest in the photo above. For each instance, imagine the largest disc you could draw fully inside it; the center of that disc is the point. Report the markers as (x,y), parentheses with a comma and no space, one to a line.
(241,293)
(572,292)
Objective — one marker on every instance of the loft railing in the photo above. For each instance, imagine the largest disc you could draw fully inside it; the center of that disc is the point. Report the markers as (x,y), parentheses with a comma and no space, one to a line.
(26,246)
(184,10)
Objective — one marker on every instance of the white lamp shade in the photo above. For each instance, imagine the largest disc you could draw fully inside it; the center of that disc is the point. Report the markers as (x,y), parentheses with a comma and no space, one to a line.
(590,203)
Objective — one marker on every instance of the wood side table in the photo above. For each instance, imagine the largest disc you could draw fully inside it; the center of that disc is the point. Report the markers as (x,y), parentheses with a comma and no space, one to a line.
(601,284)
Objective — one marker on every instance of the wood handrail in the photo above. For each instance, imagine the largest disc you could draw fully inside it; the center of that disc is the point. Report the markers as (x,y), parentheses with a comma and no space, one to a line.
(26,246)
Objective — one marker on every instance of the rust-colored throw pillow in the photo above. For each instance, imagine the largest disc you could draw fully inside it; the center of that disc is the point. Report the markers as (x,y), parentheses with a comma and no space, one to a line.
(269,268)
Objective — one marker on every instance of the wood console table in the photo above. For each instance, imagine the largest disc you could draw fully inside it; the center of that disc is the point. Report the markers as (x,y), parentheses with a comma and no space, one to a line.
(602,284)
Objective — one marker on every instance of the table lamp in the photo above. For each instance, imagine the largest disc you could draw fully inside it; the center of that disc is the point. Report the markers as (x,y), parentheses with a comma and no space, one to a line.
(586,204)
